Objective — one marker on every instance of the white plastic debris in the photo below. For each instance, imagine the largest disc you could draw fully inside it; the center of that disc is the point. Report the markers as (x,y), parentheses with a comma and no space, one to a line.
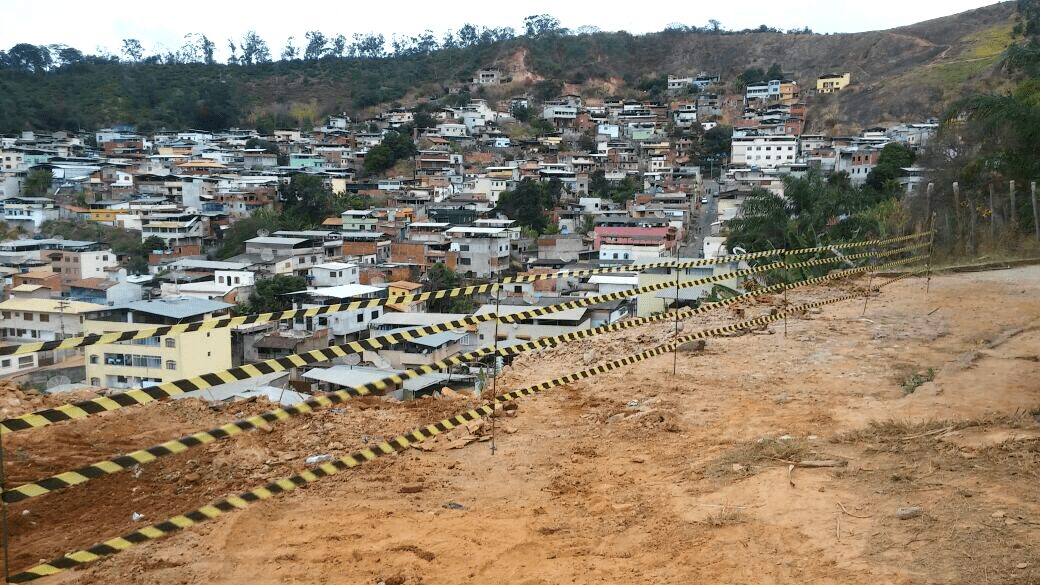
(135,517)
(313,459)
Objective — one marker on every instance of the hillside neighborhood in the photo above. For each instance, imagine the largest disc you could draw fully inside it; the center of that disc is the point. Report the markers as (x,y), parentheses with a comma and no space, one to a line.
(389,205)
(419,297)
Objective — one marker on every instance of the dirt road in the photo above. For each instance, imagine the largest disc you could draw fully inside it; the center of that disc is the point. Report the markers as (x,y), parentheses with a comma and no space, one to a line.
(635,476)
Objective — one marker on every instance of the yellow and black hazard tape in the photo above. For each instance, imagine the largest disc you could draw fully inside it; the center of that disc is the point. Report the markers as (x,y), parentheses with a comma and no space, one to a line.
(93,406)
(400,443)
(85,408)
(209,324)
(179,445)
(859,244)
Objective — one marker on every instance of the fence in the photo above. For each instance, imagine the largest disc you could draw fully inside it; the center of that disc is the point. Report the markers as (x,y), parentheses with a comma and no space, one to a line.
(84,409)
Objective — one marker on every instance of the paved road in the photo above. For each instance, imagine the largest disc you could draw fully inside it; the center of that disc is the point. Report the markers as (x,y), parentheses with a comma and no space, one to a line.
(700,225)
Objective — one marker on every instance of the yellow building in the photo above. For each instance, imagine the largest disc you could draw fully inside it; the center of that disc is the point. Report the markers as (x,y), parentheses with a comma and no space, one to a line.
(145,362)
(104,215)
(832,82)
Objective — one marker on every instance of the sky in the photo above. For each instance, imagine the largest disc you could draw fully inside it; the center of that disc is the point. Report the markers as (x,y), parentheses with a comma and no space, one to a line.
(92,25)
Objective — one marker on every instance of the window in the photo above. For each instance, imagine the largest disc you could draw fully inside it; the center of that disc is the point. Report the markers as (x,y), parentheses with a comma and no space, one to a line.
(25,361)
(171,342)
(237,280)
(95,382)
(94,358)
(375,314)
(5,364)
(171,365)
(28,317)
(220,279)
(44,318)
(360,317)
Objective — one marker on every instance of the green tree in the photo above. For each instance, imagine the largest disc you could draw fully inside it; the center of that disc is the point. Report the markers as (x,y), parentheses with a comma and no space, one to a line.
(269,294)
(307,197)
(751,75)
(37,182)
(247,228)
(812,212)
(520,113)
(528,204)
(893,158)
(547,89)
(394,147)
(440,277)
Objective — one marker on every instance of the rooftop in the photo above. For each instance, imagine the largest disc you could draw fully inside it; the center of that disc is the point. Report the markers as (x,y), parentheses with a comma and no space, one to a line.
(343,291)
(177,308)
(50,306)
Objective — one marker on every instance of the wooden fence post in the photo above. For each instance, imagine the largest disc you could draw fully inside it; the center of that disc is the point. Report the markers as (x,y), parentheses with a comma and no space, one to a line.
(1036,214)
(992,214)
(1014,208)
(957,210)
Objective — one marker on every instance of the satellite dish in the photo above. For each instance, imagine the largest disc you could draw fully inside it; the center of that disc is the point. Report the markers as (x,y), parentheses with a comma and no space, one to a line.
(263,233)
(59,237)
(352,359)
(55,381)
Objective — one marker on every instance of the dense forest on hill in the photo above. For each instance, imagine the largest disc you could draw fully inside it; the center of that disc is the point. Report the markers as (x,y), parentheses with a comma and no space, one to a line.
(904,73)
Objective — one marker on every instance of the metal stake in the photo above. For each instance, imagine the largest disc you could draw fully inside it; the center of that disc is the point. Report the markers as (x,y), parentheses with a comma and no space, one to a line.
(784,283)
(870,281)
(494,364)
(675,309)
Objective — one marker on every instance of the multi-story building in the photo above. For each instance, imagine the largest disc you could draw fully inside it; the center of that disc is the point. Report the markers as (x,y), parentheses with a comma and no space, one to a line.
(77,260)
(156,360)
(483,251)
(763,151)
(343,326)
(333,274)
(35,319)
(28,212)
(832,82)
(178,230)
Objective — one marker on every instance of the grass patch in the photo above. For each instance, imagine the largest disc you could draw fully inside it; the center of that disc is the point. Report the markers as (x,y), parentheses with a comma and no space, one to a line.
(724,517)
(741,460)
(916,378)
(905,432)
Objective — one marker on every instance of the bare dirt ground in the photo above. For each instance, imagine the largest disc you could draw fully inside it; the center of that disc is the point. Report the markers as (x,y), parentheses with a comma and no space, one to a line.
(633,476)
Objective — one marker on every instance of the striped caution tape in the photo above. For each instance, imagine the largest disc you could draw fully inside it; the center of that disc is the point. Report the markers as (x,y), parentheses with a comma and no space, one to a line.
(179,445)
(402,442)
(93,406)
(466,291)
(85,408)
(144,456)
(643,267)
(847,245)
